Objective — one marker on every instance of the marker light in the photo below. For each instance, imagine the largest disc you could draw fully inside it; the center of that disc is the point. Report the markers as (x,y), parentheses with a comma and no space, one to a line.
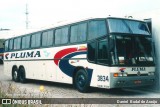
(115,74)
(120,74)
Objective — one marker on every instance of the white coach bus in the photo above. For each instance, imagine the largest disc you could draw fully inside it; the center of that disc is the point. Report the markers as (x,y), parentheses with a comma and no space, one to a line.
(100,52)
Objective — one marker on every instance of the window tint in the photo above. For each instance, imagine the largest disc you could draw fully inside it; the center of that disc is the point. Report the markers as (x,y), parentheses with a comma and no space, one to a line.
(91,51)
(97,29)
(102,51)
(47,38)
(11,44)
(36,40)
(128,26)
(6,45)
(61,36)
(78,33)
(17,43)
(25,42)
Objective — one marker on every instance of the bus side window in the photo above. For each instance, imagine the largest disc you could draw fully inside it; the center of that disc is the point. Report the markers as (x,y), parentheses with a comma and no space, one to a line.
(102,56)
(47,38)
(91,51)
(78,33)
(36,40)
(17,43)
(26,42)
(61,36)
(6,45)
(97,28)
(11,44)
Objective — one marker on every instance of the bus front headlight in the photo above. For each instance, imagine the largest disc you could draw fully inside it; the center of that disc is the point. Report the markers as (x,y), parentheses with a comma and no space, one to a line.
(150,73)
(125,74)
(120,74)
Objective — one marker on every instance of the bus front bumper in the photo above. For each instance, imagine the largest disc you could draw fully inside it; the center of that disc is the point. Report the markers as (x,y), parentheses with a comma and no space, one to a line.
(120,82)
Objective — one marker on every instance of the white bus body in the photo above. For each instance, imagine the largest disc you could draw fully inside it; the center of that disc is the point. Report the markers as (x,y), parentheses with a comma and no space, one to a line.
(67,64)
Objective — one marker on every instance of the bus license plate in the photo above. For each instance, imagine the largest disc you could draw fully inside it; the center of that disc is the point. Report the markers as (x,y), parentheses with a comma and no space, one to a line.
(137,82)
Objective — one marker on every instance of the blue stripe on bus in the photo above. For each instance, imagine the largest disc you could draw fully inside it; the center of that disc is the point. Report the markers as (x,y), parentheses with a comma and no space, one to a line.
(68,69)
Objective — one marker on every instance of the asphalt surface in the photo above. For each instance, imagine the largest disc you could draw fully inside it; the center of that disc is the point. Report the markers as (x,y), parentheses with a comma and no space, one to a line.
(44,89)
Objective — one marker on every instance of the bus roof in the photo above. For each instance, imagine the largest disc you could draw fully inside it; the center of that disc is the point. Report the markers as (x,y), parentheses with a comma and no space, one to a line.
(21,32)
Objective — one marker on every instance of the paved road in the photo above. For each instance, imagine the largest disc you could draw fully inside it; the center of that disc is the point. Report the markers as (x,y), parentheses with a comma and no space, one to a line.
(57,90)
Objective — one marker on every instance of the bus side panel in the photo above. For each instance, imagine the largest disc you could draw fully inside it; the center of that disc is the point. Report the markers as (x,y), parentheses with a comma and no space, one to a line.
(66,59)
(7,68)
(36,70)
(100,76)
(8,64)
(50,71)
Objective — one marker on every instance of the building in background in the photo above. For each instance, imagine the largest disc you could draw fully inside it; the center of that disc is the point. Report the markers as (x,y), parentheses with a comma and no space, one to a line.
(1,50)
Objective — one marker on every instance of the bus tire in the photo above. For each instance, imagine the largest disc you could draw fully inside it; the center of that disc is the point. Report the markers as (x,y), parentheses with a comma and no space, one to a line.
(81,82)
(22,75)
(15,74)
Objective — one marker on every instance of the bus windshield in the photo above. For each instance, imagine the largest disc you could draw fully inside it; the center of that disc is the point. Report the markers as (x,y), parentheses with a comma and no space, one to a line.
(128,26)
(131,50)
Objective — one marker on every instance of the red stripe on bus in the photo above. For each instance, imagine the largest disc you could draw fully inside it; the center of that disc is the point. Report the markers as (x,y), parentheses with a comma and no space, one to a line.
(62,53)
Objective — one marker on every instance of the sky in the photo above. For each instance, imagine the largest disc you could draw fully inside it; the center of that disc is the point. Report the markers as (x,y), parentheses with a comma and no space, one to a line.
(48,12)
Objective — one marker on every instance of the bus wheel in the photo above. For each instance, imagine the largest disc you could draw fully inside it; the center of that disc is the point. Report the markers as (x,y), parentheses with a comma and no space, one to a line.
(81,81)
(15,75)
(22,76)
